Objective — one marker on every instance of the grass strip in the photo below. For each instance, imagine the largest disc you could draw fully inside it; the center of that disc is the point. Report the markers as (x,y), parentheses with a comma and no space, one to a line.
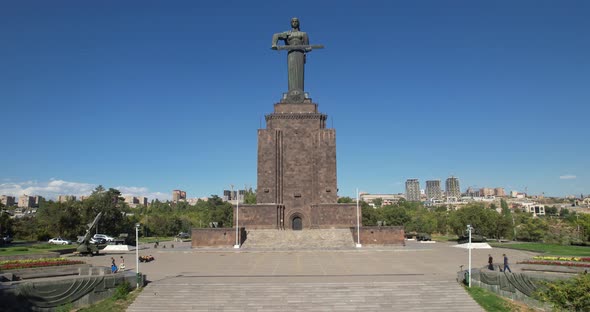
(488,300)
(548,249)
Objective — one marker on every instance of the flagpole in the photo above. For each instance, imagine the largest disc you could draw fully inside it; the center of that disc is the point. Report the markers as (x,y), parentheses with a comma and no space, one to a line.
(237,245)
(358,222)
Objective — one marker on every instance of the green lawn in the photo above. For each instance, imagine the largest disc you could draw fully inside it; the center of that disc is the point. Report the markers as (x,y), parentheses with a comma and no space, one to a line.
(488,300)
(11,250)
(548,249)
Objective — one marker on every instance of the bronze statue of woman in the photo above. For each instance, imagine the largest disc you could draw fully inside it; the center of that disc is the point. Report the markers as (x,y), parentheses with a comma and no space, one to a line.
(297,43)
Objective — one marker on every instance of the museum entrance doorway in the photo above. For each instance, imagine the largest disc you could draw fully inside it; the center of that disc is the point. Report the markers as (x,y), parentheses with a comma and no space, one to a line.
(297,224)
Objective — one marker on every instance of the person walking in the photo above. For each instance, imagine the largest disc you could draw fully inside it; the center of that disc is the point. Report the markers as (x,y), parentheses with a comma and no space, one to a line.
(122,265)
(506,266)
(114,268)
(490,262)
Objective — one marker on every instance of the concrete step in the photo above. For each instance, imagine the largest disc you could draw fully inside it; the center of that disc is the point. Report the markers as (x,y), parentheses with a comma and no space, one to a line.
(305,239)
(188,294)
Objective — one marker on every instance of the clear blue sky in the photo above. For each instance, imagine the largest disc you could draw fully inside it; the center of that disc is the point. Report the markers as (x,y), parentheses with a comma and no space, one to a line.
(151,96)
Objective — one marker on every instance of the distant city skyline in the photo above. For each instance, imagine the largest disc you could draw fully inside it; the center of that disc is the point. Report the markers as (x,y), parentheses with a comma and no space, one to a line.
(152,97)
(53,189)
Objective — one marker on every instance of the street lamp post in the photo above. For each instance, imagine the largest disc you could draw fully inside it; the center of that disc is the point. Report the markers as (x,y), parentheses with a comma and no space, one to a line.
(469,228)
(137,253)
(358,222)
(237,245)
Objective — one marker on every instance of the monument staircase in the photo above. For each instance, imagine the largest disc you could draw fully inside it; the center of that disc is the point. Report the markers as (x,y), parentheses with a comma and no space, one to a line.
(304,239)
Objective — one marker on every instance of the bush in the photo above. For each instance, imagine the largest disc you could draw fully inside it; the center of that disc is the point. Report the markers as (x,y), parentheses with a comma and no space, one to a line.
(570,295)
(122,291)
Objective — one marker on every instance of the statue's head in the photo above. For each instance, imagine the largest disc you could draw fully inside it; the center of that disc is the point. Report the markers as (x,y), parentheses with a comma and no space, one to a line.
(295,22)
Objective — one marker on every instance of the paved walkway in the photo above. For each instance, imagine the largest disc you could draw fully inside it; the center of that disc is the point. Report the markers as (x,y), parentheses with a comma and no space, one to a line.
(417,277)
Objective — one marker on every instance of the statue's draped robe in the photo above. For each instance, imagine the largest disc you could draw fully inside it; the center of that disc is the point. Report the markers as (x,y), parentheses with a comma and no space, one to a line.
(296,58)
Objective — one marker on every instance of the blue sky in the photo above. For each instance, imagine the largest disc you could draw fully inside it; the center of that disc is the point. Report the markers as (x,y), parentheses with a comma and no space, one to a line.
(151,96)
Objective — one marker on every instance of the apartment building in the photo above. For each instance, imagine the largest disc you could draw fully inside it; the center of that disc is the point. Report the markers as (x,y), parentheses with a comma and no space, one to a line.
(452,188)
(387,199)
(26,201)
(433,190)
(412,190)
(178,195)
(8,201)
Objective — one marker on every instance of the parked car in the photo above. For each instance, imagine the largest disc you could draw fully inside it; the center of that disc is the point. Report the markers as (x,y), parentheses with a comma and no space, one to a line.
(59,241)
(475,238)
(423,237)
(106,237)
(98,240)
(183,235)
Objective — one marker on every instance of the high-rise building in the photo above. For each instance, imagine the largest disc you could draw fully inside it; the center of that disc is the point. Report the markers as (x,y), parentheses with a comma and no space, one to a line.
(473,192)
(65,198)
(232,196)
(178,195)
(8,201)
(433,190)
(38,199)
(499,191)
(486,191)
(134,201)
(227,195)
(452,188)
(412,190)
(26,201)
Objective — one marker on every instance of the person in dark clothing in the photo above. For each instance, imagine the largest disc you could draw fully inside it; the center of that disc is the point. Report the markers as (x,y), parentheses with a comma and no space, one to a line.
(114,268)
(506,266)
(490,262)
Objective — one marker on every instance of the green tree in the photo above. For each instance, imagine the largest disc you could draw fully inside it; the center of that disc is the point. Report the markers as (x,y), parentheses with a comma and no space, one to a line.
(250,197)
(504,206)
(378,202)
(6,224)
(567,295)
(422,221)
(345,200)
(481,219)
(370,215)
(112,206)
(532,229)
(551,210)
(395,215)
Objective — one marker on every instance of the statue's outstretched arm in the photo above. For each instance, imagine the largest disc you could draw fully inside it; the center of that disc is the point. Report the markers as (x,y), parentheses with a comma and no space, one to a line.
(276,37)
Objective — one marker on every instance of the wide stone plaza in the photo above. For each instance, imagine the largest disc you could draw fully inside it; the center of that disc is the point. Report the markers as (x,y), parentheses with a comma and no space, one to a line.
(415,277)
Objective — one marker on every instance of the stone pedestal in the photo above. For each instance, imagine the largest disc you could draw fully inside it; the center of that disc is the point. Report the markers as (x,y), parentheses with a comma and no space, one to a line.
(297,173)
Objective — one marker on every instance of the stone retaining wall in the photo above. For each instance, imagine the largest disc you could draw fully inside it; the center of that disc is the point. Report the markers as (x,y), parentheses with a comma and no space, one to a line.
(380,235)
(77,291)
(515,286)
(217,237)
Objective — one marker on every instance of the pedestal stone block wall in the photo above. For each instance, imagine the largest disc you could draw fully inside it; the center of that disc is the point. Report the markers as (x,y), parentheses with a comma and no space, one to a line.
(297,172)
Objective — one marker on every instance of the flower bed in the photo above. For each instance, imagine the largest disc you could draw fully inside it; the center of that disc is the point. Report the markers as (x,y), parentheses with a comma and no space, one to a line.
(552,258)
(557,263)
(36,263)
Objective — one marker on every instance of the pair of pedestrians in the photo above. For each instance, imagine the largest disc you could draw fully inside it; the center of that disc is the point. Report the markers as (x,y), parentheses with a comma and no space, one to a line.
(491,263)
(115,268)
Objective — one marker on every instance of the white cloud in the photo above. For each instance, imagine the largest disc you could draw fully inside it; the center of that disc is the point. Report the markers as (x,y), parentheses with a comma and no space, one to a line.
(142,191)
(55,187)
(567,177)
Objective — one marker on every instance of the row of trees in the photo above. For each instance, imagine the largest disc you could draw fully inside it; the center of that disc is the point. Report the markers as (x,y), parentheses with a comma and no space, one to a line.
(486,220)
(69,219)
